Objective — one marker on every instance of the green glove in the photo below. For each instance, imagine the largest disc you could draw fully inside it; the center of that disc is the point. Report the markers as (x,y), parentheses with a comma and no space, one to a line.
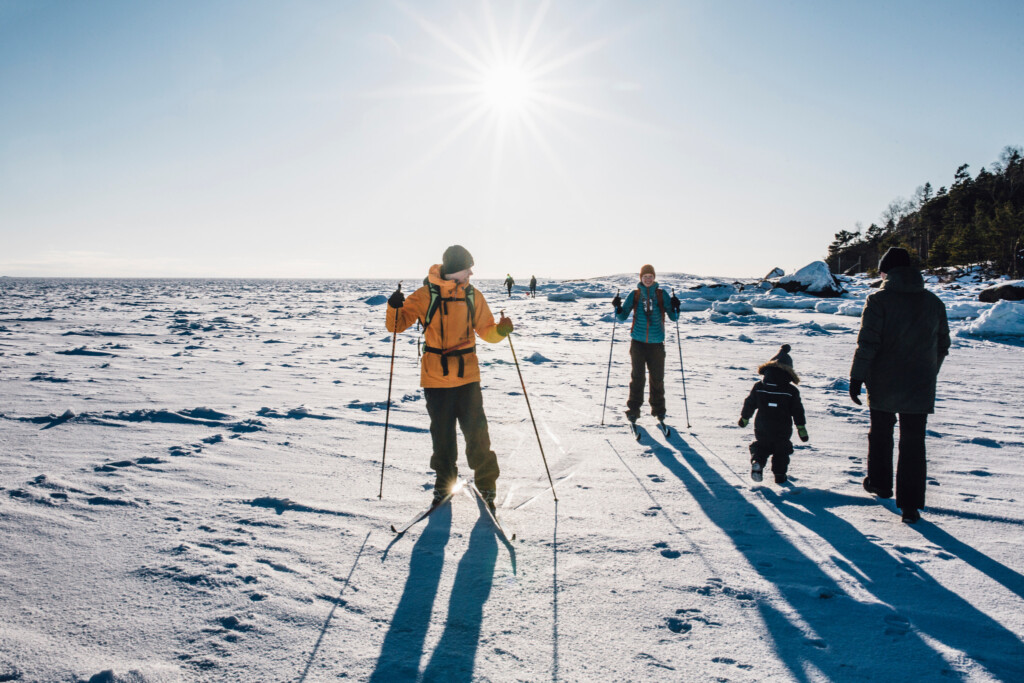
(743,422)
(802,431)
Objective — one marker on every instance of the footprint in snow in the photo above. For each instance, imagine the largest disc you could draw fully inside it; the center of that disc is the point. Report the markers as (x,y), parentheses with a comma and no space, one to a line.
(731,662)
(657,479)
(685,618)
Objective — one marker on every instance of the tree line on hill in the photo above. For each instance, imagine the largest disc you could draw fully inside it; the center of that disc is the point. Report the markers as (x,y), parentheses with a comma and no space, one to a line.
(974,220)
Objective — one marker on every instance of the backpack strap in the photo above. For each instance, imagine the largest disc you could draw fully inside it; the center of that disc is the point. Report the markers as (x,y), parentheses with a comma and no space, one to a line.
(636,304)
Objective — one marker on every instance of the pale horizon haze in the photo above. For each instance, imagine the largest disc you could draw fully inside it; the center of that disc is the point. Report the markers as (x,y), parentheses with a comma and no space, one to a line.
(558,139)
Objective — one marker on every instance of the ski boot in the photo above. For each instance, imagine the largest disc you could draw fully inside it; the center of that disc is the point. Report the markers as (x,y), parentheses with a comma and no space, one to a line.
(489,495)
(632,416)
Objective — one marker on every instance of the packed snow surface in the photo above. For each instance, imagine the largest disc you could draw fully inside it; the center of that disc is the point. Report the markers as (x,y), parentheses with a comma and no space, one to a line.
(189,479)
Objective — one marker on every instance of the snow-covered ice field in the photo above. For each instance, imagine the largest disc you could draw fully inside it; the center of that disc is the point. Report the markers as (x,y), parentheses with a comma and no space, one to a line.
(189,474)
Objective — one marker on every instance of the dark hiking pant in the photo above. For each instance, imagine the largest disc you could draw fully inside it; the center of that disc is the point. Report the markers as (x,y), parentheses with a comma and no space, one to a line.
(911,470)
(651,357)
(463,404)
(778,449)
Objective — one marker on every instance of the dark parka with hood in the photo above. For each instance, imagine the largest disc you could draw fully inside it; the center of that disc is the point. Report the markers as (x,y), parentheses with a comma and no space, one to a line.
(776,400)
(904,337)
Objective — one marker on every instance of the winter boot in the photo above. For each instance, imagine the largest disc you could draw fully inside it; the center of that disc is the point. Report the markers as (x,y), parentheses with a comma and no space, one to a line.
(911,516)
(781,478)
(871,488)
(756,470)
(438,497)
(633,415)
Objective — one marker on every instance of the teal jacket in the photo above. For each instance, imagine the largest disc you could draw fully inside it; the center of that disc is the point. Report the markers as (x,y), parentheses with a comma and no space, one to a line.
(647,327)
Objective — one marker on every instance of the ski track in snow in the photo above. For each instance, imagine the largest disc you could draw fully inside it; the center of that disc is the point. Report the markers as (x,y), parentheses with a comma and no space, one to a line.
(189,476)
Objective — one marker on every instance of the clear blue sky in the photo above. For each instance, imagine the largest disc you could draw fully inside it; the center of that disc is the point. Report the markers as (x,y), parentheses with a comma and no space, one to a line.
(253,138)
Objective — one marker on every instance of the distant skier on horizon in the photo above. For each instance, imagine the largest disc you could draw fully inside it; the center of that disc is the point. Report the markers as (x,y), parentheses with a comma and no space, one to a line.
(453,313)
(509,282)
(777,404)
(647,349)
(533,286)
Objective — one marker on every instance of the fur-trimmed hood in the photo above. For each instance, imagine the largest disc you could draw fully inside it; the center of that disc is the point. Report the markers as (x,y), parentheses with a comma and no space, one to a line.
(786,370)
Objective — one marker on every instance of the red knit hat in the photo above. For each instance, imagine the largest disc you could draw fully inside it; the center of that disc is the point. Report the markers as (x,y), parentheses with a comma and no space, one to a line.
(647,269)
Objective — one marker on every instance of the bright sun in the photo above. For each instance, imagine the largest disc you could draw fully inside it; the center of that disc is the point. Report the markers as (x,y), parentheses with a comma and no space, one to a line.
(507,88)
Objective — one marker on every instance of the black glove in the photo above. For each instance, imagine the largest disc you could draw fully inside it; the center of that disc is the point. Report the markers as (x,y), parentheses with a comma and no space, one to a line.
(397,299)
(802,431)
(743,422)
(617,302)
(855,387)
(675,303)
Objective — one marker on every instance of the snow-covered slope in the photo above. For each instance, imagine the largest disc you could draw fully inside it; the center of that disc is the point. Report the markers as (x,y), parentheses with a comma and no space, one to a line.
(189,477)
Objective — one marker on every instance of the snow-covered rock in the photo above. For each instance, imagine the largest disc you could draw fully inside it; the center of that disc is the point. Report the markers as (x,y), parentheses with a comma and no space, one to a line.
(851,308)
(782,300)
(1005,319)
(737,307)
(711,292)
(562,296)
(827,307)
(376,300)
(964,309)
(815,278)
(1007,291)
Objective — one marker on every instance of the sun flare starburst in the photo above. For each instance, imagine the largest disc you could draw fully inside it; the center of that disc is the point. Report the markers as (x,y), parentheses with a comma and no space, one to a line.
(507,87)
(514,81)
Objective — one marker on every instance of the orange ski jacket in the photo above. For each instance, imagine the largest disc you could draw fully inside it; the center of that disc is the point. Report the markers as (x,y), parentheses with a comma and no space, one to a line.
(450,358)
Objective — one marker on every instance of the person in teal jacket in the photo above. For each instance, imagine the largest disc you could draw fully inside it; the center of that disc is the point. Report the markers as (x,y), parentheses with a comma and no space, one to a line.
(649,306)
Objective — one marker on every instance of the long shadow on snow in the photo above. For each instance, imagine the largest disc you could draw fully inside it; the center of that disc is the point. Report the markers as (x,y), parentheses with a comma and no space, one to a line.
(935,610)
(454,658)
(994,569)
(848,638)
(399,658)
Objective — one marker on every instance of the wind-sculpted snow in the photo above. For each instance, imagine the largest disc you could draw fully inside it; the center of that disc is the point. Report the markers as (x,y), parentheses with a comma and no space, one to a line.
(1004,319)
(207,503)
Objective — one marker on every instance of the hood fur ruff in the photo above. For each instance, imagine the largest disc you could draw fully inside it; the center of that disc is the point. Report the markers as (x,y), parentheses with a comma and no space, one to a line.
(784,368)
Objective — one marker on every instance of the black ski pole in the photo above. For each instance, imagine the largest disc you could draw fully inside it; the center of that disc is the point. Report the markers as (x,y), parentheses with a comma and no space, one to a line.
(608,377)
(686,403)
(387,417)
(521,382)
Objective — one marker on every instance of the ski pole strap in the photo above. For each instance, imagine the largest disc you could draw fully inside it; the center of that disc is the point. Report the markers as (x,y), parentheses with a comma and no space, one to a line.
(445,354)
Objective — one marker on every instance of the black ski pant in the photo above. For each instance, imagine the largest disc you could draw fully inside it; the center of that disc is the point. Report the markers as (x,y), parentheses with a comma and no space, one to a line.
(778,449)
(651,357)
(463,404)
(911,470)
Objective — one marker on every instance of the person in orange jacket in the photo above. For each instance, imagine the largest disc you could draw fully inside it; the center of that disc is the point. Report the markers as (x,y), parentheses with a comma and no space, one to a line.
(453,313)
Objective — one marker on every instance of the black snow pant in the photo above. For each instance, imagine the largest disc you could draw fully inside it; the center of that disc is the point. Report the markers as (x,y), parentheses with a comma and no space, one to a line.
(778,449)
(464,404)
(651,357)
(911,470)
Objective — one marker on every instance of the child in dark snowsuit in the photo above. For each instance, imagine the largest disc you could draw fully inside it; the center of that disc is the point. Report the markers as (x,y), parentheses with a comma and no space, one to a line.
(778,407)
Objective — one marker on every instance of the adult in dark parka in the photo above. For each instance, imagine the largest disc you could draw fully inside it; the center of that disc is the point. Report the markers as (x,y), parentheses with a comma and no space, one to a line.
(904,337)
